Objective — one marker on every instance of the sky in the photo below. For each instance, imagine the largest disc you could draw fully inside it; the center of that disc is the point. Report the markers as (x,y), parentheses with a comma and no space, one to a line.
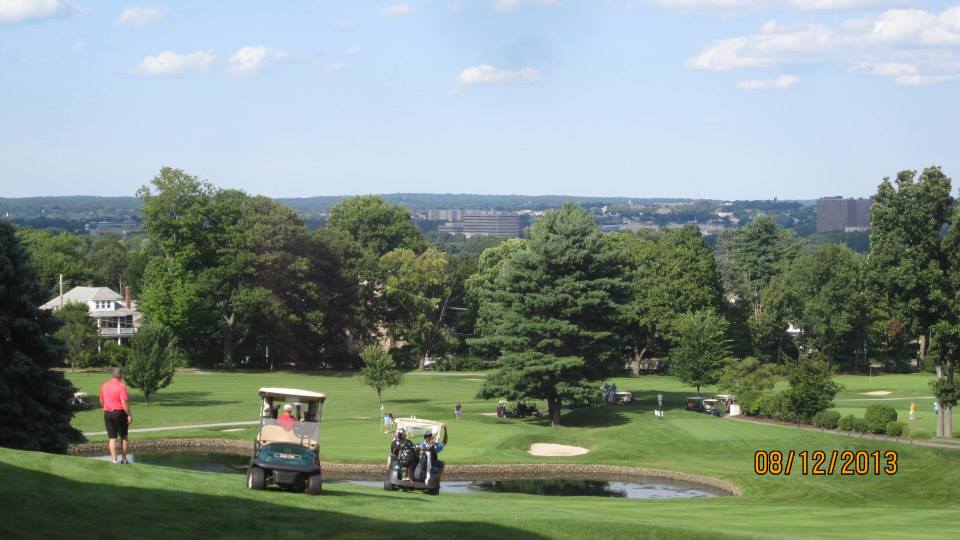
(722,99)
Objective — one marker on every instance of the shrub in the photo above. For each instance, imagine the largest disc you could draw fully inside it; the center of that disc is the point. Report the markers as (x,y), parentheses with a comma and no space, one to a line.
(920,433)
(846,423)
(897,429)
(776,406)
(878,416)
(826,419)
(859,425)
(461,363)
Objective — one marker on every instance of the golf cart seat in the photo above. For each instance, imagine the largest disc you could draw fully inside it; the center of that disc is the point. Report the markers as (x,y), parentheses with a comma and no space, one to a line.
(276,433)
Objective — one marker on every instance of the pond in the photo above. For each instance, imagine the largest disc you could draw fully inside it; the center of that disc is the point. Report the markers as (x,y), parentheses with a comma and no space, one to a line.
(193,461)
(635,488)
(632,488)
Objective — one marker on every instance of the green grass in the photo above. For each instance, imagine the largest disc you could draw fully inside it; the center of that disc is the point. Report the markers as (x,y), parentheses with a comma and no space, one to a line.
(919,502)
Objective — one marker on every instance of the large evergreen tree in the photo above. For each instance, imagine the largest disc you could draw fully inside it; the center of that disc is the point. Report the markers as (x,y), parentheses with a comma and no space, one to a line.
(34,401)
(557,313)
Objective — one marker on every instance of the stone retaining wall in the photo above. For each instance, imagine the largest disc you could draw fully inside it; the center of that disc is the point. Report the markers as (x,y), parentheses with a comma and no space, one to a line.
(374,471)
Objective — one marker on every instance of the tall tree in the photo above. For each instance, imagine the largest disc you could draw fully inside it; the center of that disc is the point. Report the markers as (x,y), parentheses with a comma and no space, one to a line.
(78,331)
(376,225)
(557,313)
(55,252)
(34,400)
(108,263)
(153,359)
(827,300)
(416,292)
(909,265)
(481,287)
(379,371)
(761,252)
(672,274)
(701,348)
(240,268)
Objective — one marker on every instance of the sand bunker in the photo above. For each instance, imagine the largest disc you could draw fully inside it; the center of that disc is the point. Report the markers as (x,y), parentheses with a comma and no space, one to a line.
(481,380)
(877,393)
(554,450)
(488,413)
(233,429)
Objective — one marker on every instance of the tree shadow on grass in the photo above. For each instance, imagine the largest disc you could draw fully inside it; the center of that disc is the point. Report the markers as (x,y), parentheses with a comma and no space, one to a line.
(602,416)
(182,399)
(104,510)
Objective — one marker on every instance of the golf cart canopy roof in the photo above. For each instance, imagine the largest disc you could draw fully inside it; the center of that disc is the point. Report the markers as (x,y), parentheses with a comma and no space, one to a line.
(292,394)
(418,427)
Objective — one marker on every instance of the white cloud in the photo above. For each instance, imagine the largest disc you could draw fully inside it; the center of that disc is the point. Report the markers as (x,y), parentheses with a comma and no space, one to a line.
(140,16)
(487,74)
(171,63)
(79,45)
(21,10)
(352,51)
(505,5)
(252,58)
(347,25)
(336,68)
(780,83)
(925,80)
(395,10)
(911,46)
(774,45)
(745,5)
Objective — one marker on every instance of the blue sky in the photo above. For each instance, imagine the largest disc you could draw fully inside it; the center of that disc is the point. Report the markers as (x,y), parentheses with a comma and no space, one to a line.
(728,99)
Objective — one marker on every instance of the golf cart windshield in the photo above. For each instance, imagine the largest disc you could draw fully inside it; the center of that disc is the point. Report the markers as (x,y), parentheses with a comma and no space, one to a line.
(290,415)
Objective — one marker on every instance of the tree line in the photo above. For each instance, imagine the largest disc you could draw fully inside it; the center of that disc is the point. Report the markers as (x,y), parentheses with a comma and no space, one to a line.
(241,281)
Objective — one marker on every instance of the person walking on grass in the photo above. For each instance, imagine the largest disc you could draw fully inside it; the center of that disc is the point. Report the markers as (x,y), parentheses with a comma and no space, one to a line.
(116,414)
(913,410)
(458,411)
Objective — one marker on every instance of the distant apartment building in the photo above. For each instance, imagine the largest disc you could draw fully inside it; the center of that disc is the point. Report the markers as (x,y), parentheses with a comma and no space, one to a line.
(839,214)
(485,223)
(108,227)
(445,214)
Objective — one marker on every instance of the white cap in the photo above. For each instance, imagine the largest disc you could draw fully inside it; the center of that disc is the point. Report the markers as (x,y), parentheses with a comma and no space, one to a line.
(288,407)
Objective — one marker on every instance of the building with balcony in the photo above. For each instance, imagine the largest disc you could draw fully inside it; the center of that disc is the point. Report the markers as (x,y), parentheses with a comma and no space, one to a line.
(117,316)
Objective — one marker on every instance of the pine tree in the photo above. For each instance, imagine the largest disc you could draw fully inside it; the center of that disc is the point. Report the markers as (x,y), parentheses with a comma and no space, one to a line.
(34,401)
(557,312)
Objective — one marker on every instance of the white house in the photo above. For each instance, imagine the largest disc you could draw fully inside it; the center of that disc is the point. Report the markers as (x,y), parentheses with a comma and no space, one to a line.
(116,316)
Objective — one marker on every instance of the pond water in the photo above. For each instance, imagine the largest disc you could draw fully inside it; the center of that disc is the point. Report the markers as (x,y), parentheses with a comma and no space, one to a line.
(653,488)
(634,488)
(194,461)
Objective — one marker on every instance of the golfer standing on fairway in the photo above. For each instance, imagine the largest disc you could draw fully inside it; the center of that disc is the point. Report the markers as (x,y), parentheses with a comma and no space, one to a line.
(116,413)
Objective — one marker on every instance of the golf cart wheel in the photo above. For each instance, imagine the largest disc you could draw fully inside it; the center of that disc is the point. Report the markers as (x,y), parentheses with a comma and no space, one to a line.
(433,491)
(256,478)
(314,484)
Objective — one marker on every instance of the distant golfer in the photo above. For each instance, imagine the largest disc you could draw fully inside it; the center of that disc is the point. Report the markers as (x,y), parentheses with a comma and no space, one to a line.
(913,410)
(116,413)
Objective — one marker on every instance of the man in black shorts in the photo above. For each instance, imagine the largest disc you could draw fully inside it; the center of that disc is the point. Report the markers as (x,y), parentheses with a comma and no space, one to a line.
(116,413)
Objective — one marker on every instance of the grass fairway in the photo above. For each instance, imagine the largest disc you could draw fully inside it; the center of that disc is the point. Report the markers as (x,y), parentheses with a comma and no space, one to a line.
(918,502)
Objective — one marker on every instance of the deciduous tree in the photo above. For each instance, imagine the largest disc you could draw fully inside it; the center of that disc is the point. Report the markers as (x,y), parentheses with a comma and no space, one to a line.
(78,331)
(153,359)
(701,346)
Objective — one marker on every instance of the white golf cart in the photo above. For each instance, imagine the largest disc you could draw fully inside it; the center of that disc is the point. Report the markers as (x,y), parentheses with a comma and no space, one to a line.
(427,470)
(286,452)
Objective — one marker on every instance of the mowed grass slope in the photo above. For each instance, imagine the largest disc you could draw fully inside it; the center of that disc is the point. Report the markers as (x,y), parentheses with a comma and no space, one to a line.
(798,506)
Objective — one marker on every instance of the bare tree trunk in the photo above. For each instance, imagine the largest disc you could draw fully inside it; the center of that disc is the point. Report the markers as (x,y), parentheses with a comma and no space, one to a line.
(940,409)
(228,341)
(553,409)
(947,421)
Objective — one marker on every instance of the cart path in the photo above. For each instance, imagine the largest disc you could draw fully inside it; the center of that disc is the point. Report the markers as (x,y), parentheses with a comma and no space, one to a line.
(948,444)
(883,399)
(174,428)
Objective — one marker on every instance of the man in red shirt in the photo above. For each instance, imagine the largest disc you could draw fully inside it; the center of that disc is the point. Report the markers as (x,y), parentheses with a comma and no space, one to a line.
(287,420)
(116,413)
